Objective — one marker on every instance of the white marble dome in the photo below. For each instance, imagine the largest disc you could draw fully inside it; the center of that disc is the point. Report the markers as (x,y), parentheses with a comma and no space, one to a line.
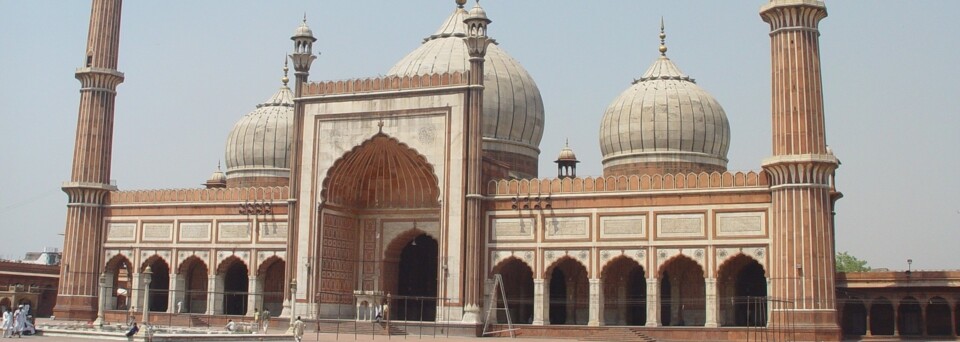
(665,117)
(259,144)
(512,106)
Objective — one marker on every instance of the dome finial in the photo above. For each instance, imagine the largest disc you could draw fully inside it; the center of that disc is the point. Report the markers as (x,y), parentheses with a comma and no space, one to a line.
(663,37)
(460,3)
(285,79)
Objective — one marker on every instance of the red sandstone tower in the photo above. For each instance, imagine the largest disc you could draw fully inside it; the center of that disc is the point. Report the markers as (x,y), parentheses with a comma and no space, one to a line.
(801,174)
(477,42)
(90,178)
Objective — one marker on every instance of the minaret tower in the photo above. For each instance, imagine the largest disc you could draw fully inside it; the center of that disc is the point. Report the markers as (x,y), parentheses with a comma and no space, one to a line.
(90,177)
(801,173)
(477,42)
(302,58)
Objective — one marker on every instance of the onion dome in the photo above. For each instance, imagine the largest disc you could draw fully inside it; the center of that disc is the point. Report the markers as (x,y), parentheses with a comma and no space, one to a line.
(664,123)
(512,107)
(303,30)
(258,146)
(566,154)
(217,180)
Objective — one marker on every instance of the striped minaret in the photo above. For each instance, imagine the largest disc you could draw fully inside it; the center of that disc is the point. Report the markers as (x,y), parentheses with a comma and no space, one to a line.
(90,178)
(801,173)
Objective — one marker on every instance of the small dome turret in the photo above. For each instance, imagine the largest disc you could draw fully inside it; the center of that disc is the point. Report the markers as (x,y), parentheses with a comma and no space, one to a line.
(567,162)
(217,179)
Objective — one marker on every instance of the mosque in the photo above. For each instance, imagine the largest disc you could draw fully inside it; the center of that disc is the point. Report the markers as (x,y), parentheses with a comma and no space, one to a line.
(419,188)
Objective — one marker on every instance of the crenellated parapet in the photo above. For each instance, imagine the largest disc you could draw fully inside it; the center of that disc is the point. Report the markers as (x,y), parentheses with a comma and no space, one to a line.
(262,194)
(389,83)
(634,183)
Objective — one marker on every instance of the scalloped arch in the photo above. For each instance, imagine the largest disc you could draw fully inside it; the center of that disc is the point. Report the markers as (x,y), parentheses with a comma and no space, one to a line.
(382,172)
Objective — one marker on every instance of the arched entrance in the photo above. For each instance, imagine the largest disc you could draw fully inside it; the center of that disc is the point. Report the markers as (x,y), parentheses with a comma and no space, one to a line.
(518,285)
(381,183)
(938,317)
(624,292)
(682,293)
(117,272)
(5,304)
(159,283)
(195,278)
(854,318)
(416,284)
(881,317)
(569,290)
(910,317)
(271,275)
(742,288)
(236,282)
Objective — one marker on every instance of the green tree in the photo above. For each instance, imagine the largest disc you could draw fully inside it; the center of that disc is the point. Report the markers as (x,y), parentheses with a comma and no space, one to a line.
(849,263)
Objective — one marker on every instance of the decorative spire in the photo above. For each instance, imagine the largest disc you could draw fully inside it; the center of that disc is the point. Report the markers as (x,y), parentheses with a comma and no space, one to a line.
(460,3)
(285,79)
(663,37)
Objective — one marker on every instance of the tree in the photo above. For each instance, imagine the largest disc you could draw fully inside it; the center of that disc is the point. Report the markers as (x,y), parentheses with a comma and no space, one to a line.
(849,263)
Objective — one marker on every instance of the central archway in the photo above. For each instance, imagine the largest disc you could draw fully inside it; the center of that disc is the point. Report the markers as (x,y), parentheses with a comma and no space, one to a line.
(742,287)
(379,182)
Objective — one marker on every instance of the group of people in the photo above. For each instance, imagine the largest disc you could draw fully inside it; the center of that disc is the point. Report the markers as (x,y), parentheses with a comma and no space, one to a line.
(18,322)
(261,321)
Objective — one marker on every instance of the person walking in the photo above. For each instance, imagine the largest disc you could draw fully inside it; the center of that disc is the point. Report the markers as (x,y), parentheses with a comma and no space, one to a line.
(19,320)
(265,317)
(7,323)
(256,321)
(298,327)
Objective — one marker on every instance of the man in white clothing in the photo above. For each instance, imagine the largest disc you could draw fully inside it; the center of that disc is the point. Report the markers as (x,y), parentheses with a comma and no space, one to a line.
(7,323)
(19,320)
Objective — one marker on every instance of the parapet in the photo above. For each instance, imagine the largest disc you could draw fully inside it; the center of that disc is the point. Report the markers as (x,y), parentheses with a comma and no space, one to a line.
(388,83)
(280,193)
(634,183)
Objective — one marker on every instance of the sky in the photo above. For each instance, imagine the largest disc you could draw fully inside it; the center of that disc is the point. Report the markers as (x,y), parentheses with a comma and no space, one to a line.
(193,68)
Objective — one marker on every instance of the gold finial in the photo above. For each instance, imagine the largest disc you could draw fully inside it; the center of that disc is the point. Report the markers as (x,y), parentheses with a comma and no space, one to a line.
(218,166)
(285,79)
(460,3)
(663,37)
(380,126)
(568,142)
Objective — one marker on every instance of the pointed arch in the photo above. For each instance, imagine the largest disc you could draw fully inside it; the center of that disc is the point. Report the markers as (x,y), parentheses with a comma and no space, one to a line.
(568,289)
(682,292)
(517,277)
(382,172)
(624,291)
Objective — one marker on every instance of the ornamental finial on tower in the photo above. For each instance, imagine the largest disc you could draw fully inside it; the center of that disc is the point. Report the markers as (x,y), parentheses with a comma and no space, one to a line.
(460,3)
(285,79)
(663,39)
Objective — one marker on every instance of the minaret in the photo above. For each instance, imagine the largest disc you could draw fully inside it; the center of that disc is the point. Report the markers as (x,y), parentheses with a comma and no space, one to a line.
(801,173)
(90,177)
(476,41)
(302,58)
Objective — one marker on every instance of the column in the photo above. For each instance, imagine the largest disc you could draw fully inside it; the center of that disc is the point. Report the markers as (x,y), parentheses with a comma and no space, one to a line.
(179,287)
(596,303)
(214,296)
(953,320)
(896,317)
(254,293)
(134,292)
(923,316)
(653,303)
(868,305)
(711,304)
(110,295)
(541,304)
(571,302)
(172,294)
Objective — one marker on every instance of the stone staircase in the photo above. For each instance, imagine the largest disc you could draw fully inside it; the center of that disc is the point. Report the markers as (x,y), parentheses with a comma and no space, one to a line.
(360,328)
(619,334)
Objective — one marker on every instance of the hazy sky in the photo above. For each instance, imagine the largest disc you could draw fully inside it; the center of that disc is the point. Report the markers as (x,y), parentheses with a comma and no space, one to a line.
(193,68)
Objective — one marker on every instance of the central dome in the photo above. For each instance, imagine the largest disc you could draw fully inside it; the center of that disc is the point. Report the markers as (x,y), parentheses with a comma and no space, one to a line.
(664,123)
(512,106)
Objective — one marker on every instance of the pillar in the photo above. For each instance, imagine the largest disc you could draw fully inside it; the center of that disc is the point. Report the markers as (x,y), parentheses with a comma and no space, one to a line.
(622,299)
(214,295)
(172,294)
(953,320)
(711,302)
(868,305)
(571,302)
(102,299)
(134,291)
(179,287)
(896,317)
(653,303)
(254,294)
(923,316)
(110,293)
(541,302)
(596,303)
